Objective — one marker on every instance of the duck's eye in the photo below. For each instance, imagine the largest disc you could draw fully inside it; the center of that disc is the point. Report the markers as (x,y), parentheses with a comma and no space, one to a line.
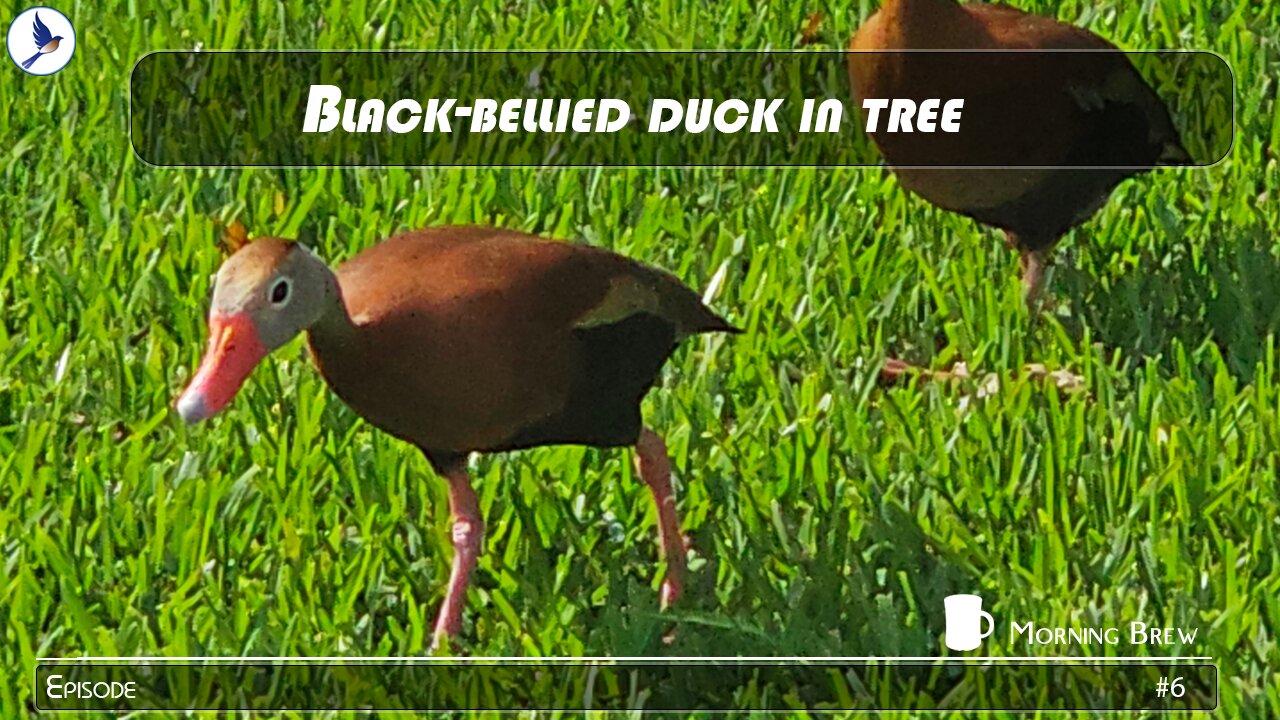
(280,292)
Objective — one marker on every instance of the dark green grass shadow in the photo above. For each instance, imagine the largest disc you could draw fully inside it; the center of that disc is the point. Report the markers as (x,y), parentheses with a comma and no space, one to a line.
(872,585)
(1226,294)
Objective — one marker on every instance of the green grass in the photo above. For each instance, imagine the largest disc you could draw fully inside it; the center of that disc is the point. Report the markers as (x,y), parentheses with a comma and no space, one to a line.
(827,515)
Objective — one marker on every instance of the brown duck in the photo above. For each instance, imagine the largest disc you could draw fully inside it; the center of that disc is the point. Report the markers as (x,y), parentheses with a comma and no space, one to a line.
(462,340)
(1043,109)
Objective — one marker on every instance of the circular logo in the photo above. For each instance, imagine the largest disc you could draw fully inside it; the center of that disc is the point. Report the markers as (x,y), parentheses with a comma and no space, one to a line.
(41,41)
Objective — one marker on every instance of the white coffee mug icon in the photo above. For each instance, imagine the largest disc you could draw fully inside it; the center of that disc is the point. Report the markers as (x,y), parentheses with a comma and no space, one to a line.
(964,622)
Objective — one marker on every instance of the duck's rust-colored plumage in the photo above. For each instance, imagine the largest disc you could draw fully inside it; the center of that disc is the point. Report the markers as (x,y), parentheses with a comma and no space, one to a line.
(476,339)
(1044,109)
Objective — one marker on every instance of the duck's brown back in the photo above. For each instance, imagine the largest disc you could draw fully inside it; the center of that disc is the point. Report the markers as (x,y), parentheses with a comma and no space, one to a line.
(480,339)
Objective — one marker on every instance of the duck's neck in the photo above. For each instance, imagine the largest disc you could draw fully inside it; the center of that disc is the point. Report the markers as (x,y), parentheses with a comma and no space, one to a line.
(927,23)
(334,329)
(923,8)
(338,348)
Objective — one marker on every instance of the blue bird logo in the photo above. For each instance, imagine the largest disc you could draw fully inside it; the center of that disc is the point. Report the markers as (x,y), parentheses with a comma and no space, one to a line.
(46,42)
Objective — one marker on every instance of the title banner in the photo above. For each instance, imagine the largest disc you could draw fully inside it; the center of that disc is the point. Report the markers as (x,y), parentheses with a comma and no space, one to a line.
(635,108)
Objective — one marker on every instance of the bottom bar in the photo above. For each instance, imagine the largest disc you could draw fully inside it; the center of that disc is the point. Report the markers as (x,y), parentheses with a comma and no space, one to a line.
(675,685)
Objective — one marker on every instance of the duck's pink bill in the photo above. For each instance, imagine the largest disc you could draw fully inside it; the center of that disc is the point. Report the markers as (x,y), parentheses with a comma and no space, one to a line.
(234,351)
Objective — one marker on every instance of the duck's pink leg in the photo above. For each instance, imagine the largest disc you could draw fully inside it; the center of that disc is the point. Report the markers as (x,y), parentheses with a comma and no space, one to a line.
(654,467)
(468,537)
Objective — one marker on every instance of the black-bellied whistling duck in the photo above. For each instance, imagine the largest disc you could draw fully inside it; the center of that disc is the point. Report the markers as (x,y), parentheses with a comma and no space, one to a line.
(1082,109)
(467,339)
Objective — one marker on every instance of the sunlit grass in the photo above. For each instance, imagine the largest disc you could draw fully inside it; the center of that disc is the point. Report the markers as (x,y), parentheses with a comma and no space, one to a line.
(827,515)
